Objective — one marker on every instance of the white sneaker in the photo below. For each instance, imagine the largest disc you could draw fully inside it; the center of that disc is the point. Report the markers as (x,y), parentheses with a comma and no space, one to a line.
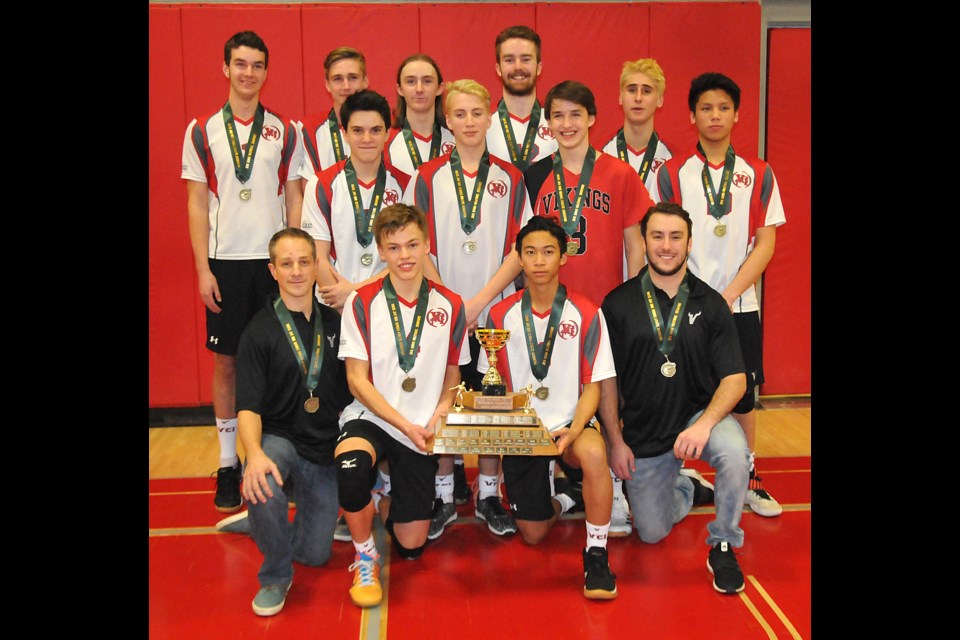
(761,502)
(620,518)
(237,523)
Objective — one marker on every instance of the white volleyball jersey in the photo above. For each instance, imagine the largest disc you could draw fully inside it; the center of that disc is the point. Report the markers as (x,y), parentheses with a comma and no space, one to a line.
(328,215)
(318,147)
(581,354)
(241,227)
(466,262)
(543,146)
(754,203)
(635,158)
(367,333)
(397,154)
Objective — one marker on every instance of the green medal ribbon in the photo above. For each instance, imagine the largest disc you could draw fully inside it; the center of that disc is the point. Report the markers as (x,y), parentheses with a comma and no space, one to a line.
(469,216)
(335,136)
(412,144)
(311,371)
(363,218)
(571,219)
(519,157)
(718,206)
(406,343)
(653,311)
(647,156)
(540,356)
(243,166)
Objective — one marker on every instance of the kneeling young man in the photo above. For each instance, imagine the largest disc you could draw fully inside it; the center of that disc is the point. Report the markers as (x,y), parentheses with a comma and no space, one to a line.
(403,340)
(558,343)
(680,374)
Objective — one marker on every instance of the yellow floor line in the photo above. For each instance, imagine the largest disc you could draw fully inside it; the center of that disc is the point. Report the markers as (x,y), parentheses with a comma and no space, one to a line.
(776,609)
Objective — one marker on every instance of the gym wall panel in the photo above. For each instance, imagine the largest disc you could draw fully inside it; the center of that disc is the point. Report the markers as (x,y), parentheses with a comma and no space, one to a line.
(786,283)
(385,33)
(172,291)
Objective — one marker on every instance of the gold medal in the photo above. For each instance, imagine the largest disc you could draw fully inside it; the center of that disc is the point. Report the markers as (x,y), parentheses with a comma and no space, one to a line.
(720,230)
(366,259)
(312,404)
(543,393)
(572,247)
(668,369)
(469,246)
(245,194)
(409,384)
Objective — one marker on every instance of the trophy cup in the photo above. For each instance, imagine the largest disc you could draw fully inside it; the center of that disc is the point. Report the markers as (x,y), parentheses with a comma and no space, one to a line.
(493,420)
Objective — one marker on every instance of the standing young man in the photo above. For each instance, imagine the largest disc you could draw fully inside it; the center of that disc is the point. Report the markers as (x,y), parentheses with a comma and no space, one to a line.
(679,373)
(559,344)
(735,205)
(342,202)
(419,131)
(322,134)
(291,388)
(598,198)
(475,205)
(403,340)
(240,167)
(521,134)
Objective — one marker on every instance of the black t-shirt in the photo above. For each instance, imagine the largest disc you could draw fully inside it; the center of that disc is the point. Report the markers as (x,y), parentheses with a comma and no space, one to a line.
(271,383)
(655,408)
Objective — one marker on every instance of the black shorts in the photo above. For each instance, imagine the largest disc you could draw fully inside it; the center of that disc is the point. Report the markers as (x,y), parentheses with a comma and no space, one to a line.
(527,479)
(412,474)
(751,346)
(245,286)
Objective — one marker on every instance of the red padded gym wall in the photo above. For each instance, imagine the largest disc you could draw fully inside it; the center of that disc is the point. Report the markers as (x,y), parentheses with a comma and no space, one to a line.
(584,41)
(786,283)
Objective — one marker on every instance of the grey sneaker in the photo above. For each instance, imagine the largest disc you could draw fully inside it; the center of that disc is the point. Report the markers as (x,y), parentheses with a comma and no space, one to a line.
(270,599)
(443,514)
(342,532)
(702,490)
(761,502)
(498,519)
(620,520)
(237,523)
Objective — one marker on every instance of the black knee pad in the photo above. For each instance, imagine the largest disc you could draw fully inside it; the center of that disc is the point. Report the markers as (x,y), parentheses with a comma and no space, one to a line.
(402,551)
(355,476)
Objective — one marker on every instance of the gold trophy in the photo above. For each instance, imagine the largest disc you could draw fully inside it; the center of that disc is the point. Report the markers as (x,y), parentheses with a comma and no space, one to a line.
(493,420)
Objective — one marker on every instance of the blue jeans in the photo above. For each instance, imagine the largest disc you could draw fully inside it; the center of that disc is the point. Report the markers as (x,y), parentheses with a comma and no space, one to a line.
(309,538)
(660,497)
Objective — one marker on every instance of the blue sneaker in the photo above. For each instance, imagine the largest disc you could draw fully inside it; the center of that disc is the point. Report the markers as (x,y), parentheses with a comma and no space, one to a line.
(270,599)
(237,523)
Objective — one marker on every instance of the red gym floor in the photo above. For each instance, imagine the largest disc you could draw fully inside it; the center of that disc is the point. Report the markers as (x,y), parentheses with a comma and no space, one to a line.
(472,585)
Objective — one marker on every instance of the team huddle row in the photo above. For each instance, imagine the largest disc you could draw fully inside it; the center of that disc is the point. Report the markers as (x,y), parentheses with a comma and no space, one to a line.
(346,259)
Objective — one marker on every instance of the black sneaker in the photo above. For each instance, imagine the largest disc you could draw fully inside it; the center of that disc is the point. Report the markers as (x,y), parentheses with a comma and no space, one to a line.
(702,490)
(599,583)
(443,514)
(228,498)
(727,576)
(575,492)
(461,490)
(498,519)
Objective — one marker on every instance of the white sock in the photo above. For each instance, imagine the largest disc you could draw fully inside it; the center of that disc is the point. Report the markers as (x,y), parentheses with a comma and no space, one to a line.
(566,502)
(489,486)
(597,535)
(617,485)
(458,460)
(227,435)
(386,483)
(751,462)
(369,547)
(444,488)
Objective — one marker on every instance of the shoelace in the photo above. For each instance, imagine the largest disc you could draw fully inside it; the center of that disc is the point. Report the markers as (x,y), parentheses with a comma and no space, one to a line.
(756,485)
(365,564)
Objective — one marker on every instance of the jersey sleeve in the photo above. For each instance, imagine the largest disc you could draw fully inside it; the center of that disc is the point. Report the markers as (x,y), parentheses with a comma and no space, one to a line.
(192,167)
(314,220)
(597,361)
(635,198)
(354,329)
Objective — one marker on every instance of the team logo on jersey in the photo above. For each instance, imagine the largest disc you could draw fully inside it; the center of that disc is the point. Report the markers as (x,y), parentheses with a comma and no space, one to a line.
(693,316)
(568,330)
(657,162)
(544,132)
(446,148)
(270,132)
(390,197)
(437,317)
(497,188)
(306,224)
(742,180)
(331,340)
(593,198)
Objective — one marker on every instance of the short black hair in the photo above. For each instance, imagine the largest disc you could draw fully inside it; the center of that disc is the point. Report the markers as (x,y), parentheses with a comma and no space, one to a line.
(365,100)
(550,224)
(245,39)
(712,81)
